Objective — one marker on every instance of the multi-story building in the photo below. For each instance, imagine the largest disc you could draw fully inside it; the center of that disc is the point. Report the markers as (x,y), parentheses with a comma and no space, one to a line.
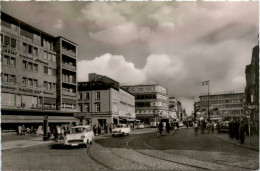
(223,105)
(252,87)
(151,101)
(102,101)
(173,108)
(197,111)
(38,75)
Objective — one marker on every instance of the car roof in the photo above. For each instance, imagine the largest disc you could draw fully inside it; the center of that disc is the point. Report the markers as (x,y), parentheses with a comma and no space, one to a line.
(86,126)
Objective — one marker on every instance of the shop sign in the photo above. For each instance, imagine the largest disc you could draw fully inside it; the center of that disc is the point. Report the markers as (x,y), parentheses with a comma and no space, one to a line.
(9,87)
(30,90)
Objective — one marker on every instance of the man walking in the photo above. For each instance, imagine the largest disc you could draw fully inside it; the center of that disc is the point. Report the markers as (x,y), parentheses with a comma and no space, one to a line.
(160,127)
(242,130)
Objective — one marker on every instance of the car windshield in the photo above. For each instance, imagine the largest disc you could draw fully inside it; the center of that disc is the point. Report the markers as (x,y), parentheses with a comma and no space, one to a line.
(120,126)
(77,130)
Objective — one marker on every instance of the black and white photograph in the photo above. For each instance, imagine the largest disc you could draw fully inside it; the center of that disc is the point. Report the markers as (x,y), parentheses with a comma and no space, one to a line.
(130,85)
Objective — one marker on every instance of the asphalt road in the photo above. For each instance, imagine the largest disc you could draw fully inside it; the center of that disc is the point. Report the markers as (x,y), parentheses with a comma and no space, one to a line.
(114,151)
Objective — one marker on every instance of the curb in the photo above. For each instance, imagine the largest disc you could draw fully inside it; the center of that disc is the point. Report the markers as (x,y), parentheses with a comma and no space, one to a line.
(245,146)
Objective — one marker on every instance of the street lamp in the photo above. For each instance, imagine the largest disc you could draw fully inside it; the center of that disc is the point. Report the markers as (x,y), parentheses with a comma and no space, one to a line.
(207,83)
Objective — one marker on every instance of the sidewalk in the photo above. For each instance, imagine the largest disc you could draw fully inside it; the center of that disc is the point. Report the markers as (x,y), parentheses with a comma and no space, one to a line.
(254,145)
(14,141)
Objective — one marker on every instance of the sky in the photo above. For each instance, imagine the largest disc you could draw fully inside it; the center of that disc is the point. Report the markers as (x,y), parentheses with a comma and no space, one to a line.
(177,45)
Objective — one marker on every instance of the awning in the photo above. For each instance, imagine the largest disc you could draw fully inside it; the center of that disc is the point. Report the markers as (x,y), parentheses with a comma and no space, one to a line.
(35,119)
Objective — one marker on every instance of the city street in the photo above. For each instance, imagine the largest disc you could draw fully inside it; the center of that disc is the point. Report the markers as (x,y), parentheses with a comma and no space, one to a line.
(142,150)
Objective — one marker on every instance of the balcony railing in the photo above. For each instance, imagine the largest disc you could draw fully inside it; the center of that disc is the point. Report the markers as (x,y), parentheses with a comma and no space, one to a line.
(67,66)
(68,52)
(66,93)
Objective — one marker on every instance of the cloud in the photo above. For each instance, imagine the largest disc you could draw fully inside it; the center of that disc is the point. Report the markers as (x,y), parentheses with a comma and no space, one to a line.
(59,25)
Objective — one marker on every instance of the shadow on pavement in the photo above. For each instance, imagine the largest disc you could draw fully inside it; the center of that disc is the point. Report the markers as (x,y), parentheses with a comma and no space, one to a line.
(64,147)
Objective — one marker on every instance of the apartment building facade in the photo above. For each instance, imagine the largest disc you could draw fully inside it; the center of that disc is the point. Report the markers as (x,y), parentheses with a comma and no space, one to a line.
(151,101)
(102,101)
(224,105)
(35,80)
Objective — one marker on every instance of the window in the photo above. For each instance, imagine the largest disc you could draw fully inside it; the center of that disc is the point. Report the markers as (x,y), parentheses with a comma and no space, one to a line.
(13,43)
(87,107)
(35,83)
(12,79)
(24,64)
(30,66)
(49,86)
(6,78)
(45,85)
(54,86)
(53,58)
(30,82)
(49,56)
(80,95)
(24,48)
(6,40)
(54,72)
(87,96)
(45,55)
(30,49)
(45,70)
(35,67)
(98,96)
(13,62)
(98,107)
(35,51)
(49,71)
(6,60)
(24,81)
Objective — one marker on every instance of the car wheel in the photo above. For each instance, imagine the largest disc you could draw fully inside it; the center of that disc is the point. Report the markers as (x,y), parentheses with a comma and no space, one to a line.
(85,145)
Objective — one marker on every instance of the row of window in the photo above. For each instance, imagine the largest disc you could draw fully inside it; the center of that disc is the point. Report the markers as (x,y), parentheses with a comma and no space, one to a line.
(29,49)
(49,56)
(30,82)
(68,78)
(229,96)
(86,96)
(30,66)
(49,86)
(222,101)
(9,61)
(49,71)
(150,111)
(9,78)
(87,107)
(7,41)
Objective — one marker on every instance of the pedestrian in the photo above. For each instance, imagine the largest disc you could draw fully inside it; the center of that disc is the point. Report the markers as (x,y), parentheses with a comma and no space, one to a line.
(236,129)
(105,128)
(19,130)
(242,130)
(23,130)
(168,127)
(94,129)
(160,127)
(99,130)
(231,129)
(212,127)
(196,126)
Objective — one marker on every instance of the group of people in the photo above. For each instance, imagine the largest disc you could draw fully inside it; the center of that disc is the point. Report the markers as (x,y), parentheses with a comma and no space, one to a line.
(237,129)
(107,128)
(204,126)
(22,130)
(168,127)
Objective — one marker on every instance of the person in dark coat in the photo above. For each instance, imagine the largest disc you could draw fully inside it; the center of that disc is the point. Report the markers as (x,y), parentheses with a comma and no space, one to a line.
(160,127)
(231,129)
(168,127)
(236,129)
(242,130)
(94,129)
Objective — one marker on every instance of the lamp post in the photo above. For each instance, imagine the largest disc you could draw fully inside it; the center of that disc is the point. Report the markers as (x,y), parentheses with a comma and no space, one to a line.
(207,83)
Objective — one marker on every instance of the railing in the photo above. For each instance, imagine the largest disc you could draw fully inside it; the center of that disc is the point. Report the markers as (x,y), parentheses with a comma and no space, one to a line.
(68,52)
(68,93)
(65,65)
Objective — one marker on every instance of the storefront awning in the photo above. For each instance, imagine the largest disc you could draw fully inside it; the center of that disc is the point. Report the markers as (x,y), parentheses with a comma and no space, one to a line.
(35,119)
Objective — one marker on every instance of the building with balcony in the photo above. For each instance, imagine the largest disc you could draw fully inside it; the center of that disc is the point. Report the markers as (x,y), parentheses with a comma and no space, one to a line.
(252,87)
(173,108)
(38,75)
(151,102)
(224,105)
(102,101)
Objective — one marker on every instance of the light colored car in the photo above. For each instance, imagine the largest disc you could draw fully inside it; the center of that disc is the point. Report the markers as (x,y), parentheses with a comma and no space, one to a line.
(79,135)
(121,129)
(180,124)
(140,126)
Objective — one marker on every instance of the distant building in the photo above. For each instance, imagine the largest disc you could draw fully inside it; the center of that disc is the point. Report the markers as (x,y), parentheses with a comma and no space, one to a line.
(102,101)
(173,109)
(151,101)
(226,105)
(197,112)
(39,76)
(252,86)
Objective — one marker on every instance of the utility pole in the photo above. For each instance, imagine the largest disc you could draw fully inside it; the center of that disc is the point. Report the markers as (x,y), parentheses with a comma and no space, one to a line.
(207,83)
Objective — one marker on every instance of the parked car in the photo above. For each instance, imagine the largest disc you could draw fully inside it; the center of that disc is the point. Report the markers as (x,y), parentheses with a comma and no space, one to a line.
(79,135)
(223,126)
(121,129)
(180,124)
(140,126)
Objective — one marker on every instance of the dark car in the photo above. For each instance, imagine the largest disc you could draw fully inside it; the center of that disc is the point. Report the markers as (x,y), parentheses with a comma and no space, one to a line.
(223,126)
